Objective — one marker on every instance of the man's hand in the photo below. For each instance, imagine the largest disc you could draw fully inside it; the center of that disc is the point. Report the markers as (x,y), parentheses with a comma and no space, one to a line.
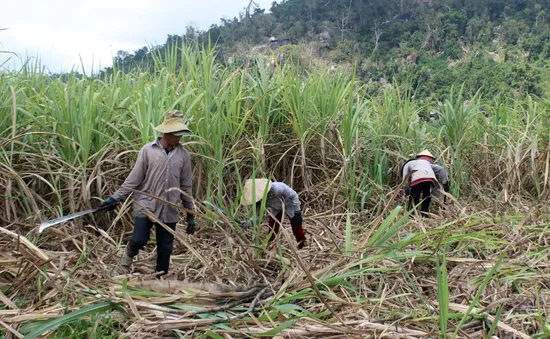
(109,204)
(190,226)
(446,187)
(407,190)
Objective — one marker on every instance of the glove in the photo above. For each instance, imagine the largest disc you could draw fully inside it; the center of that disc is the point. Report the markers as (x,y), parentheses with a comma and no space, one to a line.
(190,226)
(446,187)
(109,204)
(407,190)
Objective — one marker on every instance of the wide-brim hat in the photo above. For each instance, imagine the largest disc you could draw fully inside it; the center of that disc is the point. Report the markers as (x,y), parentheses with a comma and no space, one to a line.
(425,153)
(173,124)
(254,190)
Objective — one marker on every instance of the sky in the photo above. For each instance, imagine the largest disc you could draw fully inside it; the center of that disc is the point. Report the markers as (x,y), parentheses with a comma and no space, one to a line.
(61,32)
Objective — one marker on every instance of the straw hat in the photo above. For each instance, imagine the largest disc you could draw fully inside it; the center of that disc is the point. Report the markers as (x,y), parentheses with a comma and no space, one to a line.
(425,153)
(173,124)
(254,190)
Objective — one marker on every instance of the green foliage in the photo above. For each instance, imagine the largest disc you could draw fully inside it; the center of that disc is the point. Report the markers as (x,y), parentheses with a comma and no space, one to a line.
(238,115)
(386,32)
(99,327)
(73,323)
(344,52)
(442,293)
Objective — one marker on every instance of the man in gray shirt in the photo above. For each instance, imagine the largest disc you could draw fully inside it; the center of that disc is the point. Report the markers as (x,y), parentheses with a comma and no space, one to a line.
(280,197)
(161,164)
(422,176)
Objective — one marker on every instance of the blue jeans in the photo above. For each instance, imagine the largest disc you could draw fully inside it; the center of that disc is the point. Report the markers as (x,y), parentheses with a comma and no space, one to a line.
(140,237)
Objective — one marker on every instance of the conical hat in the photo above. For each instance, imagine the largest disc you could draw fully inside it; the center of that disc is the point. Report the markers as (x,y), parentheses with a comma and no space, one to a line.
(173,123)
(254,190)
(425,153)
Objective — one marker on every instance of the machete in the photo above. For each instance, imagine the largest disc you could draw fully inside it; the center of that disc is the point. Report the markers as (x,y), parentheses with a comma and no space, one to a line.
(222,211)
(59,220)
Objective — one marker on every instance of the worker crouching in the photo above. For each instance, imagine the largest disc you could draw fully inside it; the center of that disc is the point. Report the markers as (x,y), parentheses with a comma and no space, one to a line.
(280,198)
(421,175)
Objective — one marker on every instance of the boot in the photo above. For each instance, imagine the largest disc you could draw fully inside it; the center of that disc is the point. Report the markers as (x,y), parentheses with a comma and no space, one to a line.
(124,265)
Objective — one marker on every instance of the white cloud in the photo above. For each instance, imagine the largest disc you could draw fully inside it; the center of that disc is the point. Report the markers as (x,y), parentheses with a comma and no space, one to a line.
(62,31)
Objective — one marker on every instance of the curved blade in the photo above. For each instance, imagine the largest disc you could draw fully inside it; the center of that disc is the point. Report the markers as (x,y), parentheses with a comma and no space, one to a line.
(56,221)
(220,210)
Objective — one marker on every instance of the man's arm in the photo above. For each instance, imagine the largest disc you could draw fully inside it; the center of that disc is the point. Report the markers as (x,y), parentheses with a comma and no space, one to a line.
(186,185)
(295,200)
(406,171)
(134,179)
(441,176)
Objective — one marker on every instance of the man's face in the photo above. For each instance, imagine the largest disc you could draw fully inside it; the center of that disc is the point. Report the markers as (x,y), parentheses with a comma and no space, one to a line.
(171,140)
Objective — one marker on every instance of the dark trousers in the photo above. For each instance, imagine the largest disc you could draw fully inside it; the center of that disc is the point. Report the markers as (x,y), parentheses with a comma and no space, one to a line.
(418,191)
(140,237)
(295,222)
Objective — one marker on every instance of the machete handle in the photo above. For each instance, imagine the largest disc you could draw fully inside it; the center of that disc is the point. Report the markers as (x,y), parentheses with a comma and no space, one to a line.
(107,207)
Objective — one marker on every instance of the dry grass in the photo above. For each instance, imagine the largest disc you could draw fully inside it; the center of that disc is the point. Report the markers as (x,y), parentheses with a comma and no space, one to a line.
(220,281)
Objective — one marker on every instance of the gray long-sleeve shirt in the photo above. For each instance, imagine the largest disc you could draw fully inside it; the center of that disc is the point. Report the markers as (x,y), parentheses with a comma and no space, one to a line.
(423,170)
(280,197)
(154,172)
(440,174)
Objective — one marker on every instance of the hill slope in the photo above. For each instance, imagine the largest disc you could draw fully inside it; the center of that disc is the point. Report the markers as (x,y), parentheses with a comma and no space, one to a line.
(501,47)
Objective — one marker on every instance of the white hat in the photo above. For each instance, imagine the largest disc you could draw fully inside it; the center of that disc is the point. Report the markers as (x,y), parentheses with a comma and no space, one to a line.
(254,190)
(173,124)
(425,153)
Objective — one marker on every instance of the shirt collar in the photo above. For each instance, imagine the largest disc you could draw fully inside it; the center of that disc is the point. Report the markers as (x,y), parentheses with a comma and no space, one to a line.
(157,142)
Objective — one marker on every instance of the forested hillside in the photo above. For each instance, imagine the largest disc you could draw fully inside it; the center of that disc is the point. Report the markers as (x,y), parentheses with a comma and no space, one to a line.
(501,47)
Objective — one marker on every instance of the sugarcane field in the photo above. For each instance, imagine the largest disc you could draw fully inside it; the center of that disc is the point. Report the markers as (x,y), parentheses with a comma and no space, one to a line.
(206,199)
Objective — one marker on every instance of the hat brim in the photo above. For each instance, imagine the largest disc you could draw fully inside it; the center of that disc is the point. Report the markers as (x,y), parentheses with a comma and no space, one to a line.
(425,153)
(180,133)
(172,128)
(254,190)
